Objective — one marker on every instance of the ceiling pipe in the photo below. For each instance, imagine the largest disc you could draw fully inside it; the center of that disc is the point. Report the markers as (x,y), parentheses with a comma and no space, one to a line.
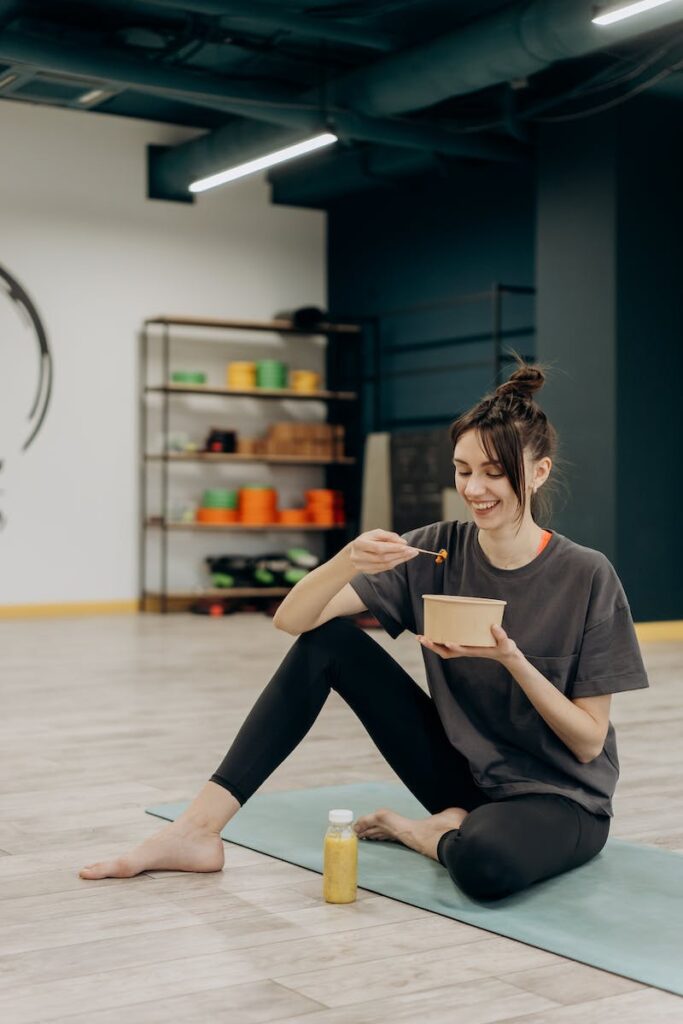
(257,18)
(113,68)
(334,175)
(174,168)
(171,169)
(511,44)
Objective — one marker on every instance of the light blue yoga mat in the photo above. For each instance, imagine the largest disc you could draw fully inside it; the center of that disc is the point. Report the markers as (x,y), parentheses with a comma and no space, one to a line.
(622,912)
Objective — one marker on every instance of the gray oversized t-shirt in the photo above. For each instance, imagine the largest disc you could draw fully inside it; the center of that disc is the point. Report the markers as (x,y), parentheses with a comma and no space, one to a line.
(568,614)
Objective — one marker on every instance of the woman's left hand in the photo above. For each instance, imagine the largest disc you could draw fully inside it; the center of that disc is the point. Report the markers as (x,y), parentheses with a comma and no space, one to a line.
(504,650)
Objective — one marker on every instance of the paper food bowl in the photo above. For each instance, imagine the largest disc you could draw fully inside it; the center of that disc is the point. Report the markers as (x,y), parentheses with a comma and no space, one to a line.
(461,620)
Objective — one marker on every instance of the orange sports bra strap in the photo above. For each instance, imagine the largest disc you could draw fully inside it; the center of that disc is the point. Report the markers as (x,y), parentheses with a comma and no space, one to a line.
(547,534)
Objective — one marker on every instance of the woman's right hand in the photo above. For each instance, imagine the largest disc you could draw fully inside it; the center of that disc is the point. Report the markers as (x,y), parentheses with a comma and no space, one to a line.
(379,550)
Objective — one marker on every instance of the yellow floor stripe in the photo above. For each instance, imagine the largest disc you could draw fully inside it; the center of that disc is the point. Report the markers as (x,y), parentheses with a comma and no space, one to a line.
(653,631)
(645,631)
(46,611)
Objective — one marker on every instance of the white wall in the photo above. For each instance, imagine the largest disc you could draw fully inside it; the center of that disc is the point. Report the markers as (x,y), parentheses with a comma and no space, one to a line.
(97,257)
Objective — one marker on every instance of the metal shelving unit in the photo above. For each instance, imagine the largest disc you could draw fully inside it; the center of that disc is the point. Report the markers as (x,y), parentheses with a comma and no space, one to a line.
(342,406)
(491,335)
(279,393)
(238,457)
(239,527)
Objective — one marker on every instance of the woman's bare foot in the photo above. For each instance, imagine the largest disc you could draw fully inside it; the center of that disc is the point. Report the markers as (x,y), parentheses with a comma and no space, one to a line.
(180,846)
(422,834)
(191,843)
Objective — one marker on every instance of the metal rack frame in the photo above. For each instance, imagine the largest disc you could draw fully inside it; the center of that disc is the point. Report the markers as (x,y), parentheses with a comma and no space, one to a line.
(341,406)
(495,336)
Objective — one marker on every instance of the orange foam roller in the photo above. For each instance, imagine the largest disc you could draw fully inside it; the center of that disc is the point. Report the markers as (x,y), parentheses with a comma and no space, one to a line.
(294,516)
(324,503)
(322,518)
(217,515)
(257,499)
(258,506)
(324,493)
(249,505)
(257,495)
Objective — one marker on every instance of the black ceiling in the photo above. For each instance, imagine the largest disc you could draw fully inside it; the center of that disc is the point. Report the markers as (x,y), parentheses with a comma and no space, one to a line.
(226,67)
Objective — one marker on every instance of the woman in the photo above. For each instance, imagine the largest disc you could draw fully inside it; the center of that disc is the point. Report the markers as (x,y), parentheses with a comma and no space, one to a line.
(513,753)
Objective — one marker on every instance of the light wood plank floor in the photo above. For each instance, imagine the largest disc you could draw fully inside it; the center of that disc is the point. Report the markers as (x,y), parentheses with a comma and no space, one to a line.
(103,716)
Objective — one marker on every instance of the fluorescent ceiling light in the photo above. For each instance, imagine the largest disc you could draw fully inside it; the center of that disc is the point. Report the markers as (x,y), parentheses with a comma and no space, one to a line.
(91,97)
(7,80)
(628,11)
(260,164)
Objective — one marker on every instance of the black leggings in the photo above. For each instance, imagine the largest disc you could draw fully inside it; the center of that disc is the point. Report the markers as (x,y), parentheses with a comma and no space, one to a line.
(503,846)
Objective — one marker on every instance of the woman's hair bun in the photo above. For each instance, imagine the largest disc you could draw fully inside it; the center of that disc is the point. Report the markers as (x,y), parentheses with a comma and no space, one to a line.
(523,383)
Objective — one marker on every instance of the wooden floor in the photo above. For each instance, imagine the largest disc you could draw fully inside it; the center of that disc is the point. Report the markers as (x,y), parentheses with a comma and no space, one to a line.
(103,716)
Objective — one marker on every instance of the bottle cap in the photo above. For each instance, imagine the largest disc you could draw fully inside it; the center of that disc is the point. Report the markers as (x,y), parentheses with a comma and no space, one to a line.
(340,817)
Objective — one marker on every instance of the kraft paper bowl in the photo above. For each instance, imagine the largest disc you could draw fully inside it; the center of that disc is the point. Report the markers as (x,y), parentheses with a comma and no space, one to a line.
(461,620)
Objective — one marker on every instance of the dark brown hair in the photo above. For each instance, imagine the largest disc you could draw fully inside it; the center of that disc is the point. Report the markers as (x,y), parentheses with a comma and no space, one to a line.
(508,423)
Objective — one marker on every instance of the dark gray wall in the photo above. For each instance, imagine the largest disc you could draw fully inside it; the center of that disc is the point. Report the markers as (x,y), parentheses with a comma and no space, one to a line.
(609,316)
(649,377)
(424,240)
(576,319)
(597,225)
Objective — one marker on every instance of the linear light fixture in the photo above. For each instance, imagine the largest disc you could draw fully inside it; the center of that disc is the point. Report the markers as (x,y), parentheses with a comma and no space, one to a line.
(7,80)
(92,96)
(627,11)
(260,164)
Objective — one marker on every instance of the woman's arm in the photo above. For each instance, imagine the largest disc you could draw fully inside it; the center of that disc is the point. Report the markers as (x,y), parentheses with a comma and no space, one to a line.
(326,593)
(575,726)
(580,730)
(305,606)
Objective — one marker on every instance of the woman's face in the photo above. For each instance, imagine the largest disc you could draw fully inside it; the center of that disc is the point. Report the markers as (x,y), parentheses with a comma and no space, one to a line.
(483,485)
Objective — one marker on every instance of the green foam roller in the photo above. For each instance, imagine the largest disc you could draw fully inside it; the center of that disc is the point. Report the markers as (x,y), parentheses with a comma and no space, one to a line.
(294,575)
(271,373)
(222,579)
(219,503)
(302,558)
(188,377)
(219,498)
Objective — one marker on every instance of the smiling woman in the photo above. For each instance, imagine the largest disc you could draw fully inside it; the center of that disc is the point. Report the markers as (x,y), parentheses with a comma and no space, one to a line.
(506,437)
(504,451)
(513,756)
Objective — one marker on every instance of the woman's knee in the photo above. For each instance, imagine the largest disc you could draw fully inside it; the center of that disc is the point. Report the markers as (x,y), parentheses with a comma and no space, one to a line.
(479,863)
(336,641)
(320,651)
(337,652)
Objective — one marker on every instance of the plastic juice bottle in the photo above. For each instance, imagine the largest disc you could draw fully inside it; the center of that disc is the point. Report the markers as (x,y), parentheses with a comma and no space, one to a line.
(340,858)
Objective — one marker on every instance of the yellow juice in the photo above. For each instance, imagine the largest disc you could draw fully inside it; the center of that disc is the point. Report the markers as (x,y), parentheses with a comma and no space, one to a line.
(340,867)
